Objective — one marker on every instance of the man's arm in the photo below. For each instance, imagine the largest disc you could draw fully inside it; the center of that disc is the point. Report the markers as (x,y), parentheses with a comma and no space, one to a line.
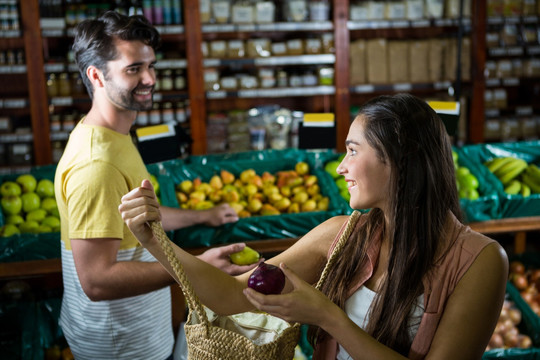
(175,218)
(102,277)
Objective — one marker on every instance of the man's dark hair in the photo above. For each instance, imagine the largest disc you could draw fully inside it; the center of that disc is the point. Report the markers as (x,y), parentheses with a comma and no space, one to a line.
(94,40)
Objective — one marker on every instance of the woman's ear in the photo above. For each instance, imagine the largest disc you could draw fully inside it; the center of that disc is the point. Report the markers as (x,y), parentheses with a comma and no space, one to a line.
(95,76)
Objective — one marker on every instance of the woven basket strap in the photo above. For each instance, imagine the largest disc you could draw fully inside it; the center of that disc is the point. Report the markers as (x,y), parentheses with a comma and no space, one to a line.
(193,301)
(351,223)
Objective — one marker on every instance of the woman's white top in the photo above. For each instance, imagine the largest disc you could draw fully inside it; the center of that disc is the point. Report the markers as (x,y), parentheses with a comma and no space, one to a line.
(357,308)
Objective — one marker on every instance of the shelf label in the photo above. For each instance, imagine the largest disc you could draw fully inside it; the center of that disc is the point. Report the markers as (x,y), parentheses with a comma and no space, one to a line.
(524,110)
(14,103)
(52,68)
(497,51)
(492,113)
(533,50)
(517,50)
(493,82)
(402,87)
(511,82)
(216,94)
(362,89)
(318,120)
(420,23)
(62,101)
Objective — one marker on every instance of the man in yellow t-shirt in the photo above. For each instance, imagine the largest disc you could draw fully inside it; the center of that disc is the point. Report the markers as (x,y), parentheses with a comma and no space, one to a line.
(116,302)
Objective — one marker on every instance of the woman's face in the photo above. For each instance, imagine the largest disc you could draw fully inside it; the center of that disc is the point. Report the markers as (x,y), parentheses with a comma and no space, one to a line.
(367,176)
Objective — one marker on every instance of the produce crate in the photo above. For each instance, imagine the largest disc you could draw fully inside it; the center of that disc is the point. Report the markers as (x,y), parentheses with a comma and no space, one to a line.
(510,205)
(487,206)
(256,227)
(24,247)
(530,319)
(529,326)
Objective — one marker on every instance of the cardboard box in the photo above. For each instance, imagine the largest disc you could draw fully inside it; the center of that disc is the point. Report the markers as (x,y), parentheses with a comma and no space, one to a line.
(435,59)
(418,58)
(357,58)
(377,66)
(398,61)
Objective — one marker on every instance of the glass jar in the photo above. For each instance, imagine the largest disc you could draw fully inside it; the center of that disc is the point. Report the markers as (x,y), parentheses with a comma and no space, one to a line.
(167,82)
(52,85)
(64,85)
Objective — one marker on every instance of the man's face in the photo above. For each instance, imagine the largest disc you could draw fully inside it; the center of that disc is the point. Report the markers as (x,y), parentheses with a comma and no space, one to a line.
(130,79)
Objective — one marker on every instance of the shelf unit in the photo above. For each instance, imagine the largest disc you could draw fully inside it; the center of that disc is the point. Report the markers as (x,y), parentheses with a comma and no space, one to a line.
(335,98)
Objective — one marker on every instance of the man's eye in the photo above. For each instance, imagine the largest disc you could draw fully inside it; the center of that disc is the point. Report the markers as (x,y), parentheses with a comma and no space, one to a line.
(132,70)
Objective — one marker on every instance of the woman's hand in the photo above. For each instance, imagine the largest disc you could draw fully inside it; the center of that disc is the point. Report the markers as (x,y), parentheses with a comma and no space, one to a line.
(304,304)
(138,207)
(220,258)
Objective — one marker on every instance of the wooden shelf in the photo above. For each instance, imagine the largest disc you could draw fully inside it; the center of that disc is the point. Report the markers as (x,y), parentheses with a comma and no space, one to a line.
(519,226)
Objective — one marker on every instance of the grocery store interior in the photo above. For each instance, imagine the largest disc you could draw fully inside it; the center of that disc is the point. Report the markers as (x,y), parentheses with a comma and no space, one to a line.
(264,85)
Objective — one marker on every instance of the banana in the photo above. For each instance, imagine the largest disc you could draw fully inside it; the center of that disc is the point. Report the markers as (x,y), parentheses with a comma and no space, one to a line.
(496,163)
(534,172)
(510,171)
(513,188)
(532,183)
(525,190)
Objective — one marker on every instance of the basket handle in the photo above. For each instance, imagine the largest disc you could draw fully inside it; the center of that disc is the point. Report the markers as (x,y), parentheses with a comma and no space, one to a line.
(193,301)
(351,223)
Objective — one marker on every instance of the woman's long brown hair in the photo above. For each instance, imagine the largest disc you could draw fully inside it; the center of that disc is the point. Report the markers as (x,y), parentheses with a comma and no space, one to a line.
(409,136)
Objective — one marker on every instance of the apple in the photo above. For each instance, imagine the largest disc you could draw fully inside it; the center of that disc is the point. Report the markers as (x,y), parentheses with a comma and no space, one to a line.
(36,215)
(52,221)
(331,168)
(27,182)
(30,201)
(246,256)
(49,205)
(267,279)
(11,205)
(16,219)
(45,188)
(9,230)
(29,226)
(302,168)
(9,188)
(155,183)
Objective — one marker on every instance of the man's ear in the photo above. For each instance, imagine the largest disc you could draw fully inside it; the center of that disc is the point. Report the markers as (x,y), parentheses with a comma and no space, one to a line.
(95,76)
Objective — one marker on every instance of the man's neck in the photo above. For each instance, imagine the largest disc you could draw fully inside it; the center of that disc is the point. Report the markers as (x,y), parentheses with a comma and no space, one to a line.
(111,118)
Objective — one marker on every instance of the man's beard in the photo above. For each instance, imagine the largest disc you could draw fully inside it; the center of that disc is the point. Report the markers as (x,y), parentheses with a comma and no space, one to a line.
(126,99)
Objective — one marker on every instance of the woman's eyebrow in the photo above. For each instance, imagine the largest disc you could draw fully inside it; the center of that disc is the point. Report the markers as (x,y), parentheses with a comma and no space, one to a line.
(348,142)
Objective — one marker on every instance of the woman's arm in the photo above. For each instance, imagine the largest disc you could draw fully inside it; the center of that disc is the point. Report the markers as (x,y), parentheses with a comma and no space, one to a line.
(473,308)
(463,333)
(217,290)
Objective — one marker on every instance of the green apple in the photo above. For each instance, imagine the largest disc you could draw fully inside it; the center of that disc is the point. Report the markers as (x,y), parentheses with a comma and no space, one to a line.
(29,226)
(36,215)
(246,256)
(461,171)
(331,168)
(9,230)
(30,201)
(345,194)
(45,188)
(155,183)
(16,219)
(9,188)
(28,183)
(49,205)
(342,184)
(52,221)
(11,205)
(43,229)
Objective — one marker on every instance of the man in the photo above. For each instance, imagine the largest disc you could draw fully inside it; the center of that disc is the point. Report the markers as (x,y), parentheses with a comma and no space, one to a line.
(116,302)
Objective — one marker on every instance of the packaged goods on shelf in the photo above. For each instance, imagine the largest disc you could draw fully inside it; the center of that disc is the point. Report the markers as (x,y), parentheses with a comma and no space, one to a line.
(419,61)
(377,65)
(398,61)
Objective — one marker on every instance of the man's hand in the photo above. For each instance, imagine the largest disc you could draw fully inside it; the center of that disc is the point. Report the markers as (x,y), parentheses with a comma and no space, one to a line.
(219,257)
(219,215)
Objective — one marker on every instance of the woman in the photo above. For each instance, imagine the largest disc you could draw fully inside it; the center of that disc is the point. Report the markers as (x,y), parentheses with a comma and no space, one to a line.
(412,280)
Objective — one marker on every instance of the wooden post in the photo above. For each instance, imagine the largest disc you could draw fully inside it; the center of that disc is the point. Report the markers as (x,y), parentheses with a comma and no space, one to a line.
(341,72)
(39,109)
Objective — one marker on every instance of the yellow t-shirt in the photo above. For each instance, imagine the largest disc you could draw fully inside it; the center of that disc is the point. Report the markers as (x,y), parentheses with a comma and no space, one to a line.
(97,168)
